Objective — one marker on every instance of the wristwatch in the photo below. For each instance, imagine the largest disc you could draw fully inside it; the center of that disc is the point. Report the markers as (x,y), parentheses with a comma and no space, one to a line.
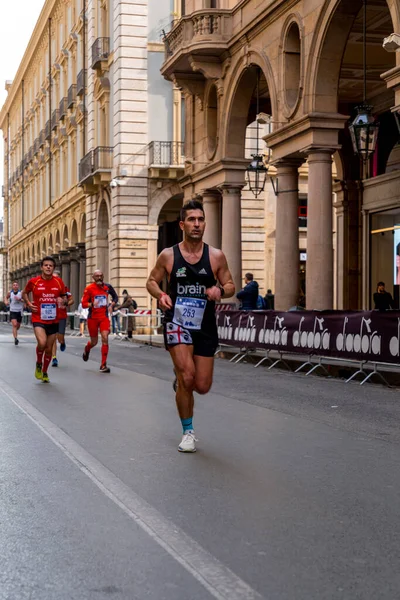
(221,289)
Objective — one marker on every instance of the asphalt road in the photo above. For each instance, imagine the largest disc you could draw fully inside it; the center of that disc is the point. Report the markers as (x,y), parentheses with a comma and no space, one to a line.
(293,493)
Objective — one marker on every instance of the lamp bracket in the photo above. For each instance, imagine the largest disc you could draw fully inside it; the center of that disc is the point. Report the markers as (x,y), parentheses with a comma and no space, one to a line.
(275,187)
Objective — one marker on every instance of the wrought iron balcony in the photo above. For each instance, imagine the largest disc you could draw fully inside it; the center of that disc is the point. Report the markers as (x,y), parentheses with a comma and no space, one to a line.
(166,154)
(55,117)
(86,167)
(81,82)
(71,99)
(206,31)
(102,158)
(100,51)
(47,130)
(63,108)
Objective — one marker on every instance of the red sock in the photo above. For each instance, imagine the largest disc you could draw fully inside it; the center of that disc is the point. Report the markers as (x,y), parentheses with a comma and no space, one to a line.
(104,354)
(88,347)
(46,362)
(39,356)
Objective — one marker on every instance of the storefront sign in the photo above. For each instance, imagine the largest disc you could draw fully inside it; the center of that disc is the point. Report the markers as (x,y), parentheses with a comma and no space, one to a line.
(372,336)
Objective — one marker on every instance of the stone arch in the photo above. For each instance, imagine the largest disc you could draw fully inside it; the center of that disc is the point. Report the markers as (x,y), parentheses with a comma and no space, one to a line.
(44,248)
(33,257)
(212,119)
(161,197)
(50,244)
(65,241)
(241,86)
(103,224)
(38,255)
(73,236)
(57,241)
(82,228)
(327,51)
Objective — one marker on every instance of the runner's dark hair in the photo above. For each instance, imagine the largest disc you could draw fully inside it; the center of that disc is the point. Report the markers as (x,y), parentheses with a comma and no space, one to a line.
(47,258)
(191,205)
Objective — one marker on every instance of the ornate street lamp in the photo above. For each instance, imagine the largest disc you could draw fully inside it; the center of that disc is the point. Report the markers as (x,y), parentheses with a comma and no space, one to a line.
(256,172)
(364,129)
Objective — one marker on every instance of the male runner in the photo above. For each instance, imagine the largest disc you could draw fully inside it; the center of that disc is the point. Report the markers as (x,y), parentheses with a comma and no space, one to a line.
(62,323)
(190,331)
(95,298)
(16,304)
(48,294)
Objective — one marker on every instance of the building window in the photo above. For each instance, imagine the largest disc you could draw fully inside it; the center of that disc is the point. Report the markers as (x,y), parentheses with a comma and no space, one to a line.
(302,211)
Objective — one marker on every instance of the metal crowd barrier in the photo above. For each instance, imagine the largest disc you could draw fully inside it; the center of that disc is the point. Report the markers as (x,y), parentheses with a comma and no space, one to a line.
(144,320)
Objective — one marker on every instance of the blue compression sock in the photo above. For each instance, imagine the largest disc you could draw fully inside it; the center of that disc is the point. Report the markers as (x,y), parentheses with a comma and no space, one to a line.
(187,425)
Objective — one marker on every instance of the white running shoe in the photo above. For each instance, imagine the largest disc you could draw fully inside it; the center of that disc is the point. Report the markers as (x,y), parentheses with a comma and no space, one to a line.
(188,442)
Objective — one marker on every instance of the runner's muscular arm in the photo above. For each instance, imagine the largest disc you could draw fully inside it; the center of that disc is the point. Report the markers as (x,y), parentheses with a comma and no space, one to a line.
(87,298)
(25,298)
(157,275)
(223,275)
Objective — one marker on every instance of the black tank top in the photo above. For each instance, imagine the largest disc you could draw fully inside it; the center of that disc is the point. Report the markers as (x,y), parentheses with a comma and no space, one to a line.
(191,281)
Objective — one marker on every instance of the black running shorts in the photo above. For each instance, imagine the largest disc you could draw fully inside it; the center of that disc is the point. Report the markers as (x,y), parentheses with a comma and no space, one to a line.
(50,328)
(62,325)
(17,316)
(204,344)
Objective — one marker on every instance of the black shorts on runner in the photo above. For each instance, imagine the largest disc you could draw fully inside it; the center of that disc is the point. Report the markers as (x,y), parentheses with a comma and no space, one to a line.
(50,328)
(204,344)
(17,316)
(62,325)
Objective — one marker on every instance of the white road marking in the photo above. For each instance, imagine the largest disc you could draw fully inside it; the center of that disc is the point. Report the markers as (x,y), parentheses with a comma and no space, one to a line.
(216,578)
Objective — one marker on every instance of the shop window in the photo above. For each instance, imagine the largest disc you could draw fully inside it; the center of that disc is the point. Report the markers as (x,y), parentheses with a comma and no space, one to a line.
(302,211)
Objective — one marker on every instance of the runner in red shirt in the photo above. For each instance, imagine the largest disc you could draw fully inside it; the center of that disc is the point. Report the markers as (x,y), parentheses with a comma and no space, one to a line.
(95,298)
(48,294)
(62,323)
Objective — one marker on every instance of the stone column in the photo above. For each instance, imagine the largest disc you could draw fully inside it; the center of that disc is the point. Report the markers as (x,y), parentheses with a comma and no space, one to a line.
(74,280)
(65,267)
(232,232)
(82,270)
(212,209)
(319,276)
(287,253)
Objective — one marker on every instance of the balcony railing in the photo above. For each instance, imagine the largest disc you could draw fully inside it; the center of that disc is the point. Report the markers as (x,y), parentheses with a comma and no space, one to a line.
(63,108)
(71,99)
(100,51)
(55,117)
(86,166)
(81,82)
(102,158)
(210,26)
(166,154)
(47,130)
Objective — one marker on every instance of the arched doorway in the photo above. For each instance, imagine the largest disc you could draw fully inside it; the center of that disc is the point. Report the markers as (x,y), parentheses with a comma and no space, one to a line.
(169,232)
(103,257)
(243,139)
(74,234)
(361,258)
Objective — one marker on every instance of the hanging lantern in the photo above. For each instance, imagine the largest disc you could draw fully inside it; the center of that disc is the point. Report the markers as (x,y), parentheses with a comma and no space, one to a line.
(256,174)
(364,132)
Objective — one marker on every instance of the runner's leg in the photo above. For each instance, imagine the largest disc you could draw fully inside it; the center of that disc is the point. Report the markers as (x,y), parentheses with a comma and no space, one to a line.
(104,346)
(48,351)
(14,323)
(182,357)
(54,352)
(41,339)
(93,328)
(204,369)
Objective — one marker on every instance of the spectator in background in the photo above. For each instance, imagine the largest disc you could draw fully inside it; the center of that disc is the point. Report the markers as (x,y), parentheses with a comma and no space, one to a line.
(382,299)
(269,300)
(115,321)
(249,294)
(83,315)
(129,304)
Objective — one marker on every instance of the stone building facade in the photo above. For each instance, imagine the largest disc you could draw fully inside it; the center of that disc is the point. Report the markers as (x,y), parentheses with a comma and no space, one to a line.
(307,58)
(93,143)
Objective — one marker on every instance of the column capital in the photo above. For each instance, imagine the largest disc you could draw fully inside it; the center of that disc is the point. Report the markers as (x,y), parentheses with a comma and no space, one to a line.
(288,163)
(73,253)
(233,189)
(64,256)
(320,154)
(211,195)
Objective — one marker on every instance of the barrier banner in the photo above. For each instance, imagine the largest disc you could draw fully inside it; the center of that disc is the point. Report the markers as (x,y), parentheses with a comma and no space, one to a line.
(371,336)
